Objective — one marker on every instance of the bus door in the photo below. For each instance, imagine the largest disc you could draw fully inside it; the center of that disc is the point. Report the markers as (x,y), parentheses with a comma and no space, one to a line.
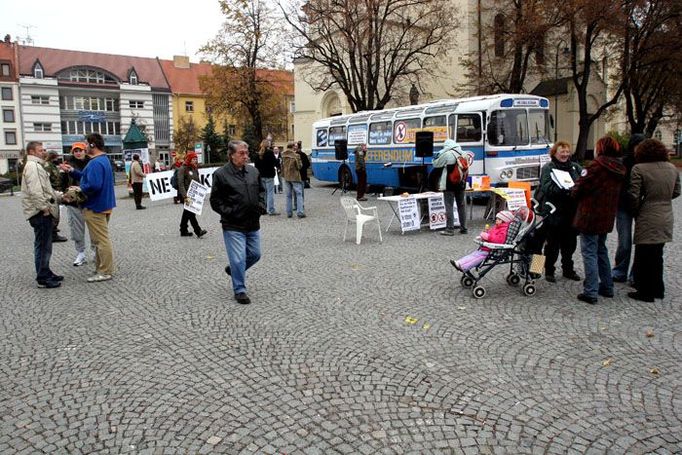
(466,129)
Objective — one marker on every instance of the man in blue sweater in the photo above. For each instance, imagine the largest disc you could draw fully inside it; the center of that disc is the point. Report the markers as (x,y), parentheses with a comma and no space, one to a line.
(97,182)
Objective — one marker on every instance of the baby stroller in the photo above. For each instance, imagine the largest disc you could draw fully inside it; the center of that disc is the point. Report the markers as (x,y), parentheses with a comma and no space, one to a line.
(523,265)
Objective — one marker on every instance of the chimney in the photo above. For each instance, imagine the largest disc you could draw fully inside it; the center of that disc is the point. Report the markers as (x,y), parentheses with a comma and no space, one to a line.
(181,61)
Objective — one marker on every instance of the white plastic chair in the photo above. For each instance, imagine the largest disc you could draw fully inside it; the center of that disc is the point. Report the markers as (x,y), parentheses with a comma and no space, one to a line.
(355,213)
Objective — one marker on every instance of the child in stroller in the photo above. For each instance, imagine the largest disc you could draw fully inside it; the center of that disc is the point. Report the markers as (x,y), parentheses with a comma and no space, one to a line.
(514,251)
(496,234)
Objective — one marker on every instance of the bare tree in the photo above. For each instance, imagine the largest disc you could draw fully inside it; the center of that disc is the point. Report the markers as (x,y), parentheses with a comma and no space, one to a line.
(652,59)
(250,41)
(371,48)
(512,41)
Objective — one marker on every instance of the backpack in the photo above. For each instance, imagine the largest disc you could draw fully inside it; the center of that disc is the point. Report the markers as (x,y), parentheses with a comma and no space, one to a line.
(174,178)
(458,172)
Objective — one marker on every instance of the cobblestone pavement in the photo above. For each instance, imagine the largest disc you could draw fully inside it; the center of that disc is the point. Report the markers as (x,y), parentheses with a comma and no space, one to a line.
(346,349)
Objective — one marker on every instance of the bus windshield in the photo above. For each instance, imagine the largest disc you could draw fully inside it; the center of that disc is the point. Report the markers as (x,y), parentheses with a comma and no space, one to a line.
(511,127)
(538,120)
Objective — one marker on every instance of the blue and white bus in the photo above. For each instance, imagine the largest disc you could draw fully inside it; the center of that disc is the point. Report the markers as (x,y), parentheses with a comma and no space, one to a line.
(507,134)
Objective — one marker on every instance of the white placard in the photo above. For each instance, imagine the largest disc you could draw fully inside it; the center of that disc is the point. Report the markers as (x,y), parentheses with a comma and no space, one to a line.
(409,214)
(159,187)
(437,218)
(357,134)
(196,194)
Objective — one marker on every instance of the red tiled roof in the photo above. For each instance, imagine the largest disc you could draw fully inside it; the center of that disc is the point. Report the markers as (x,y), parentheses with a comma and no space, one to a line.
(185,81)
(55,60)
(7,53)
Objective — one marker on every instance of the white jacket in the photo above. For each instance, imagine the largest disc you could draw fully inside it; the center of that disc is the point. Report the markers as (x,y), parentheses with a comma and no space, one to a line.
(37,190)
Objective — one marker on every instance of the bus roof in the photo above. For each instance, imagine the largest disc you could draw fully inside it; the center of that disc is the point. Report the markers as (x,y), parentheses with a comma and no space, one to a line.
(445,106)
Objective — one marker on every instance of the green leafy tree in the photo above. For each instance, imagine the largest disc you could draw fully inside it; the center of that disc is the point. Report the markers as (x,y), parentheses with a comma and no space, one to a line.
(186,135)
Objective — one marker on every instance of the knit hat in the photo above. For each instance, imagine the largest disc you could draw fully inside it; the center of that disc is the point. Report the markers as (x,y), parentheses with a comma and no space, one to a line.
(505,216)
(189,157)
(79,145)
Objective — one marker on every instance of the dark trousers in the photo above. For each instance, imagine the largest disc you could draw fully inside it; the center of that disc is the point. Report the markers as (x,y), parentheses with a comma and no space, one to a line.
(192,218)
(560,239)
(137,194)
(42,245)
(362,182)
(648,270)
(450,198)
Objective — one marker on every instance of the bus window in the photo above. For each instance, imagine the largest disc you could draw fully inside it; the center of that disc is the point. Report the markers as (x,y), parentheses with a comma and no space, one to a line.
(438,126)
(335,133)
(404,130)
(508,127)
(468,128)
(539,126)
(321,135)
(380,133)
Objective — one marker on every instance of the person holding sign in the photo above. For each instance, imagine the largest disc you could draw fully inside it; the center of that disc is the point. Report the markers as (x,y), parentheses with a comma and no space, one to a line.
(186,173)
(238,196)
(558,228)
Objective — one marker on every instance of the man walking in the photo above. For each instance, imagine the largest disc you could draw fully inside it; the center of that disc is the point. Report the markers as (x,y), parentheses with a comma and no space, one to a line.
(136,179)
(97,182)
(291,172)
(41,206)
(238,196)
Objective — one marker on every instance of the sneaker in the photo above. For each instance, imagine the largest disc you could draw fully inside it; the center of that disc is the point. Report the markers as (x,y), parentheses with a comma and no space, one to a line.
(289,215)
(56,278)
(448,232)
(300,215)
(572,276)
(242,298)
(587,299)
(48,284)
(80,260)
(99,277)
(551,278)
(228,270)
(639,296)
(464,231)
(274,213)
(201,233)
(608,295)
(58,238)
(186,234)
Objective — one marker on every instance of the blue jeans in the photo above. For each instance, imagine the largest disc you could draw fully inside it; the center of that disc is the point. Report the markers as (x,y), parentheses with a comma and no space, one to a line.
(596,263)
(243,251)
(297,188)
(42,245)
(624,249)
(269,193)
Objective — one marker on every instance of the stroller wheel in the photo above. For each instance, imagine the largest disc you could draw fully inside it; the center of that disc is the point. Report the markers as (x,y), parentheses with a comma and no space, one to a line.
(466,281)
(513,279)
(529,289)
(478,292)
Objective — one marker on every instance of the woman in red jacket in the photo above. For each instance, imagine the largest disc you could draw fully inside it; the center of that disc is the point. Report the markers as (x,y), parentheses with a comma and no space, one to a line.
(597,192)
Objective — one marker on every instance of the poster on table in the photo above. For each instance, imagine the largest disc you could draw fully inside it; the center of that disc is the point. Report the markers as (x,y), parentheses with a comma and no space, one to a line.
(196,194)
(515,197)
(437,219)
(409,214)
(158,183)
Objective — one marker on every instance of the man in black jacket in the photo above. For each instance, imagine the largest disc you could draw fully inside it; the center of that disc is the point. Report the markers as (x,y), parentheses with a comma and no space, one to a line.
(238,195)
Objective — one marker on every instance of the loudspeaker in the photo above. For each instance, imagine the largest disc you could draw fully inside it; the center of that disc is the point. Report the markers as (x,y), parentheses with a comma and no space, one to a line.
(423,144)
(341,149)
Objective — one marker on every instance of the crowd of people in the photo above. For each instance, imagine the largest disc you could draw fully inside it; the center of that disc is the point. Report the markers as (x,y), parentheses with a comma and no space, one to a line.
(636,186)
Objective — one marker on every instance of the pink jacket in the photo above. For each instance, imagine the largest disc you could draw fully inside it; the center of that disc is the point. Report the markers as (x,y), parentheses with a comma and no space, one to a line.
(496,234)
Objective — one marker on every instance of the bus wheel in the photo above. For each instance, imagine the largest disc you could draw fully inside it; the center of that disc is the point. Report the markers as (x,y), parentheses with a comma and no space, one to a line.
(345,178)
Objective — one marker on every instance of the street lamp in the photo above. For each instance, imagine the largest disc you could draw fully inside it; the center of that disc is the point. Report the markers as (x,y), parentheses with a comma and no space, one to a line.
(556,85)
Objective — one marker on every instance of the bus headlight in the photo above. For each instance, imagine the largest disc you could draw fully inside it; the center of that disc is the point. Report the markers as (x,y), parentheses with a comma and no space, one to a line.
(506,174)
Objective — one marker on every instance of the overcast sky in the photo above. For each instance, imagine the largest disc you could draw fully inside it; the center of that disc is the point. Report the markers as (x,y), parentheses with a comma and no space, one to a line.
(143,28)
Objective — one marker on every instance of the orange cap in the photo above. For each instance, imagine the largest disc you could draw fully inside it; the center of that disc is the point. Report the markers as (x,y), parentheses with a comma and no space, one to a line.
(79,145)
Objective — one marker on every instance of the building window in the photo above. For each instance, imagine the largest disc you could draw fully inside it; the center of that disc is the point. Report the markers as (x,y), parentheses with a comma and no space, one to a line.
(5,69)
(7,94)
(231,130)
(8,115)
(658,135)
(499,35)
(42,127)
(189,106)
(40,99)
(10,137)
(292,107)
(133,77)
(38,71)
(136,104)
(540,50)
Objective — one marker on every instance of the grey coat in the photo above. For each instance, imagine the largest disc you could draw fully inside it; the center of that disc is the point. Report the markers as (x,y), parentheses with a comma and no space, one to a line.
(653,186)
